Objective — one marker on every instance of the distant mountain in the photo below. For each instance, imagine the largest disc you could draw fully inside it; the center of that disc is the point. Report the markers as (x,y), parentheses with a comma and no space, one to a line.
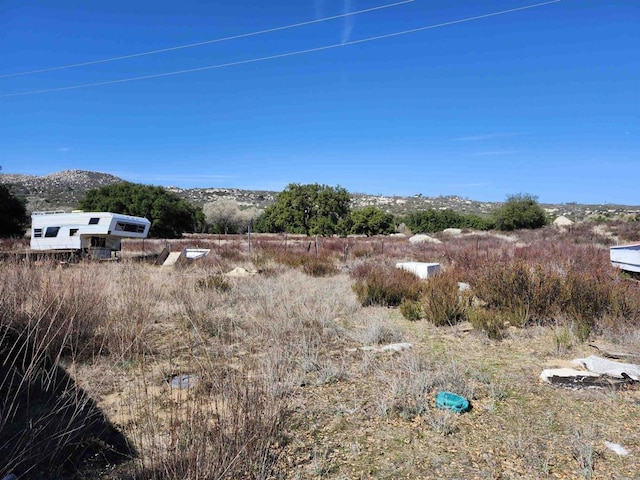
(64,190)
(57,191)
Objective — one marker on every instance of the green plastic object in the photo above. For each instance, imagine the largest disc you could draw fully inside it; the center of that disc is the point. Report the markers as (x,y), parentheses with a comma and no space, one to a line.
(453,402)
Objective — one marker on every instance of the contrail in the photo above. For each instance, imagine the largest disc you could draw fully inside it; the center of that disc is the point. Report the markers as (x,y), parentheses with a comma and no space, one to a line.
(207,42)
(282,55)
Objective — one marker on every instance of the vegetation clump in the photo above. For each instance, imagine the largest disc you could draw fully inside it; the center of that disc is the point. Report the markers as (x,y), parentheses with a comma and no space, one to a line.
(13,213)
(385,286)
(214,282)
(432,220)
(412,310)
(442,302)
(371,221)
(311,209)
(521,210)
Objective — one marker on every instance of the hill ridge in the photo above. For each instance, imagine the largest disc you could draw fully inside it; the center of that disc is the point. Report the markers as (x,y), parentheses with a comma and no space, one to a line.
(65,189)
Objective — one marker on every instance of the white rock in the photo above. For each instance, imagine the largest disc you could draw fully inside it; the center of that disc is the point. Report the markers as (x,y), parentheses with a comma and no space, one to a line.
(617,448)
(395,347)
(421,238)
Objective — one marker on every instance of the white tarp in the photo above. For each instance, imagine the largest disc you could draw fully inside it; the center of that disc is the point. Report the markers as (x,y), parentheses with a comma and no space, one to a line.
(609,367)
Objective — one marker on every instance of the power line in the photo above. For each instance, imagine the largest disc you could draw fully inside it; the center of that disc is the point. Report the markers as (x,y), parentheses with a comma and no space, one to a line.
(284,55)
(207,42)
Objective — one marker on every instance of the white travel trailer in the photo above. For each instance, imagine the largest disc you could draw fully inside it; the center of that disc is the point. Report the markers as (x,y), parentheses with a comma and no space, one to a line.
(91,233)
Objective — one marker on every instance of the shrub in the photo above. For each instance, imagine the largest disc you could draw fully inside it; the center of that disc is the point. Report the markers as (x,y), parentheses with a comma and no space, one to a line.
(371,221)
(214,282)
(387,287)
(411,310)
(443,304)
(319,266)
(521,291)
(520,211)
(431,221)
(488,322)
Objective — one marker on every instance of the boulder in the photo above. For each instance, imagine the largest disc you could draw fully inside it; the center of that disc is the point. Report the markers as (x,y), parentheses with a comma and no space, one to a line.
(562,221)
(422,238)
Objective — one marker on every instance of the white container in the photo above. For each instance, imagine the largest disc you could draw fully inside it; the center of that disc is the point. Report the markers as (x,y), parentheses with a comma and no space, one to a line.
(626,257)
(421,269)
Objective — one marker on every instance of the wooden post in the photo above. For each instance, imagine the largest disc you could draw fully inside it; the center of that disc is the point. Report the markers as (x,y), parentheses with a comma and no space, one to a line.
(249,236)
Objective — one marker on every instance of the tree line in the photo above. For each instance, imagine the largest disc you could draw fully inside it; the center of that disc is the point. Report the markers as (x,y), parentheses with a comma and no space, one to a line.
(308,209)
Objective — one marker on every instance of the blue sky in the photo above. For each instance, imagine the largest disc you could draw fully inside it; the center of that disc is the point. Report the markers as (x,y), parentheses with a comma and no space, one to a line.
(544,100)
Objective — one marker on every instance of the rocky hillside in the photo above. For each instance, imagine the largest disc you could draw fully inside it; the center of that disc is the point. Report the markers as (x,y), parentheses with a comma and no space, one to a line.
(64,190)
(57,191)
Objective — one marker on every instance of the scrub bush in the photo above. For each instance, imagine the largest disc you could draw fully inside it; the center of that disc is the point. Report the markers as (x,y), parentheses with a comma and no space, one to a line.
(411,310)
(386,286)
(442,302)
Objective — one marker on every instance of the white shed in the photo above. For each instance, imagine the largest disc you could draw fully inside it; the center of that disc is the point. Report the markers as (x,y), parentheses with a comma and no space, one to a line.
(94,233)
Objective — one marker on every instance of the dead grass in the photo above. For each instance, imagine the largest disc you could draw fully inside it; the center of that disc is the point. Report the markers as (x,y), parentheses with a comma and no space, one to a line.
(282,387)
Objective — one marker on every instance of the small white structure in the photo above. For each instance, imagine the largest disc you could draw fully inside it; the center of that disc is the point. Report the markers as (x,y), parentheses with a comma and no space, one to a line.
(421,269)
(195,253)
(94,233)
(626,257)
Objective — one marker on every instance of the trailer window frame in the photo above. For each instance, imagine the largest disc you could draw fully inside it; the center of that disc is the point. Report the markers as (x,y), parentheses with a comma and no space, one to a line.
(51,232)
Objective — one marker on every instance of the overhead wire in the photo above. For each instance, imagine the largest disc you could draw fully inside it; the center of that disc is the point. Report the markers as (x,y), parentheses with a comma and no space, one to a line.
(286,54)
(207,42)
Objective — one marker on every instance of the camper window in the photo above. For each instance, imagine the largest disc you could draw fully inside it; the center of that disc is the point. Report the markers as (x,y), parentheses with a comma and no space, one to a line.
(130,227)
(72,231)
(51,232)
(37,232)
(94,220)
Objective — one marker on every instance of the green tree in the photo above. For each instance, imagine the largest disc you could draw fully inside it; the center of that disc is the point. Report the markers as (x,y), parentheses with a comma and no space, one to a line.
(371,221)
(13,213)
(311,209)
(169,214)
(521,210)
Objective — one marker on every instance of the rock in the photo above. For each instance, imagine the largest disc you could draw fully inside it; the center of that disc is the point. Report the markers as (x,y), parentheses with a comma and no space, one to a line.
(395,347)
(421,238)
(241,272)
(183,381)
(454,232)
(616,448)
(562,221)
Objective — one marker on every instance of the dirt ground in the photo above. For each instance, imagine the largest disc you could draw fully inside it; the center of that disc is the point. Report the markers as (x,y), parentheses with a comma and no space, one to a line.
(519,427)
